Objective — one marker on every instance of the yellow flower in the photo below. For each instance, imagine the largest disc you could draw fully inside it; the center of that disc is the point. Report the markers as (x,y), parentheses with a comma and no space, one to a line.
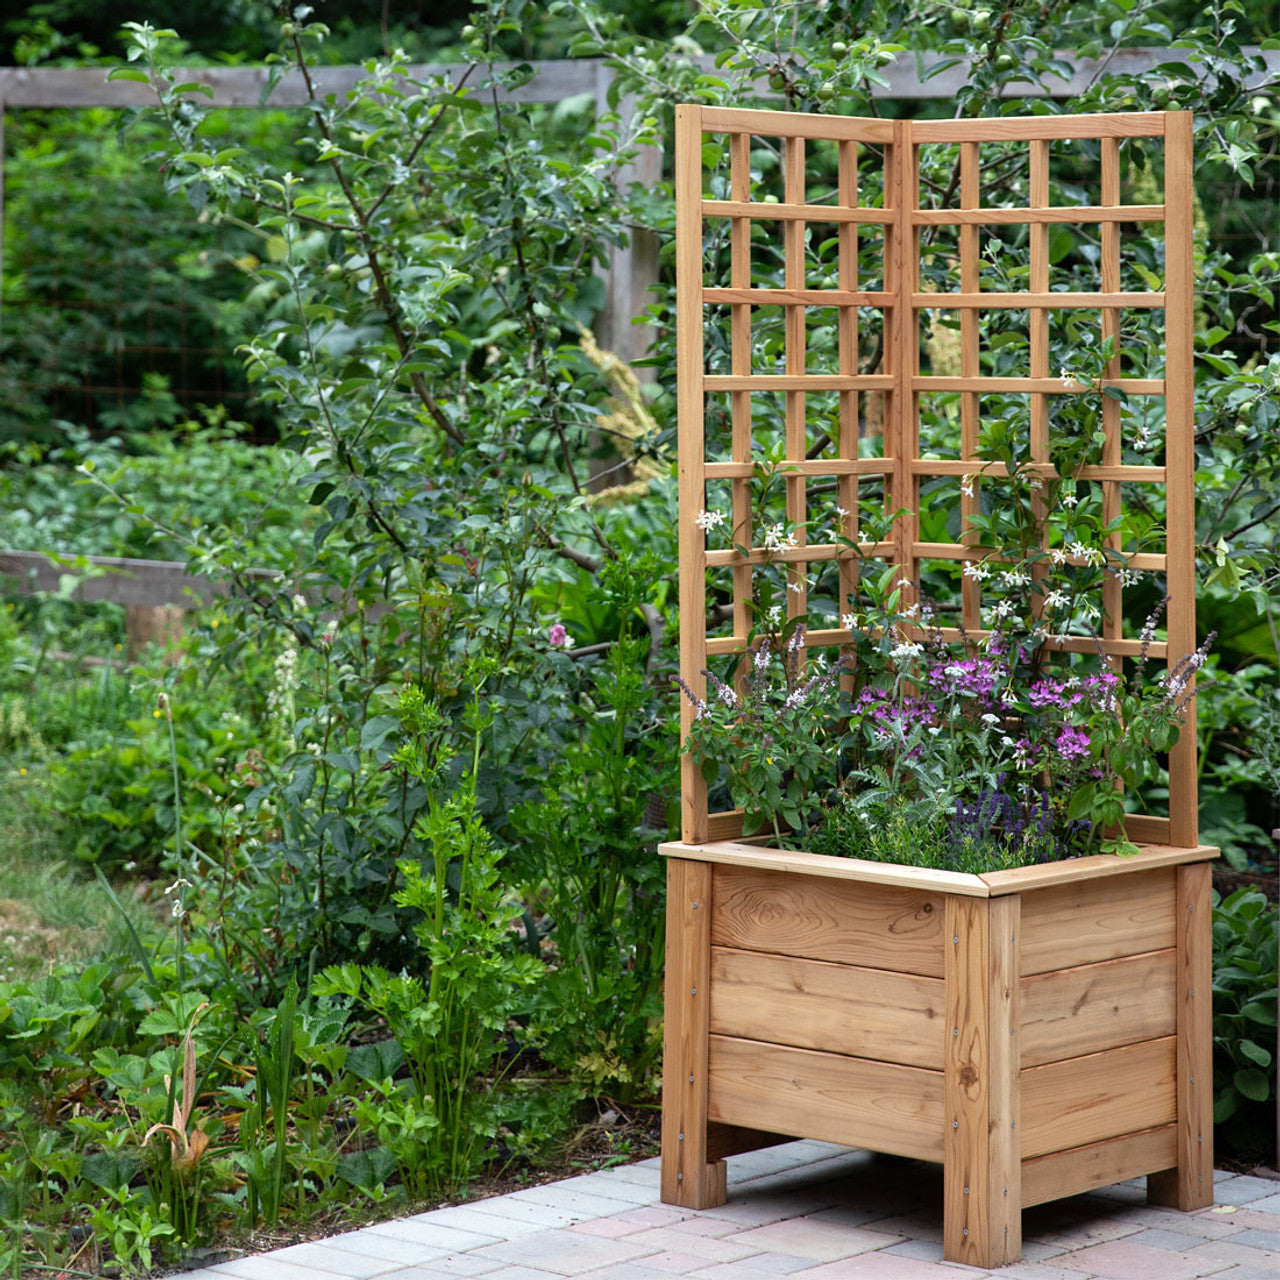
(156,713)
(22,773)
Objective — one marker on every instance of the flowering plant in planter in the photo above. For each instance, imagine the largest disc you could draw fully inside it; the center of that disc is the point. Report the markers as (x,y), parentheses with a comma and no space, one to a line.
(968,757)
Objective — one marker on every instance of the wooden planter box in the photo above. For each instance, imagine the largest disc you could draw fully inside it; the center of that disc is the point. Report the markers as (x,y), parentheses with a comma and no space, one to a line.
(1038,1032)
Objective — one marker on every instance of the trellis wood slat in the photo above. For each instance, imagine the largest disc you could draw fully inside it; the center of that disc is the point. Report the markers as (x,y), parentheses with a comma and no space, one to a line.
(849,427)
(970,215)
(1038,335)
(814,467)
(798,295)
(763,382)
(1099,1095)
(1180,518)
(902,349)
(1098,1164)
(1069,644)
(691,482)
(740,208)
(740,355)
(793,248)
(1109,269)
(1124,124)
(1023,301)
(969,383)
(810,1004)
(1050,386)
(852,1101)
(963,466)
(781,124)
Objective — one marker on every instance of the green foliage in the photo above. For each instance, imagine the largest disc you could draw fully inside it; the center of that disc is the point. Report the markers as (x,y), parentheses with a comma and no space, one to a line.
(1245,935)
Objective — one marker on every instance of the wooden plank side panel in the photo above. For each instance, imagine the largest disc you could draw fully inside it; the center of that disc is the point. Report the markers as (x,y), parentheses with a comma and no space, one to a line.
(872,925)
(1070,1012)
(1086,921)
(1068,1173)
(689,1177)
(1189,1185)
(1079,1101)
(877,1105)
(865,1013)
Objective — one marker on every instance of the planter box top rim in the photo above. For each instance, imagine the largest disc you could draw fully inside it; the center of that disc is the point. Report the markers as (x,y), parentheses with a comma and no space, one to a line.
(991,884)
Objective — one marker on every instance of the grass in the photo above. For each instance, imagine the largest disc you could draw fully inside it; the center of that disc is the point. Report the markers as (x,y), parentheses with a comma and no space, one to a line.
(51,909)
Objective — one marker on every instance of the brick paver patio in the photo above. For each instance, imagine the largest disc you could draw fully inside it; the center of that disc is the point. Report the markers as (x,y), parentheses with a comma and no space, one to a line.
(807,1210)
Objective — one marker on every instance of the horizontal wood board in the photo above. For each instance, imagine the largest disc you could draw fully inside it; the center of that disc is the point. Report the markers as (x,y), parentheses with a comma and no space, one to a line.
(1099,1164)
(1067,1013)
(1087,921)
(810,1004)
(877,1105)
(871,925)
(1083,1100)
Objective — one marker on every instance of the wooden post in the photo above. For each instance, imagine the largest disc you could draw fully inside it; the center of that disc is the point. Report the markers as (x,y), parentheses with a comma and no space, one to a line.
(982,1169)
(1190,1184)
(688,1178)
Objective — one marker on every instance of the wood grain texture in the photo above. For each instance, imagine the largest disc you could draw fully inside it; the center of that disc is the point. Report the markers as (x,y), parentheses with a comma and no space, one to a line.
(691,484)
(1068,1173)
(876,926)
(809,1004)
(1076,215)
(787,124)
(857,1103)
(758,209)
(1102,1095)
(1087,920)
(1189,1185)
(1069,1012)
(982,1193)
(1021,301)
(688,1178)
(733,1139)
(1127,124)
(1180,518)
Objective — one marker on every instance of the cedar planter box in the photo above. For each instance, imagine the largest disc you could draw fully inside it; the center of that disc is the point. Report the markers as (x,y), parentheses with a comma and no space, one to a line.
(1038,1032)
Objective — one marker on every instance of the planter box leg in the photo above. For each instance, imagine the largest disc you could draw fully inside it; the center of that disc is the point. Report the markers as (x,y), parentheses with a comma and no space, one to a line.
(688,1178)
(982,1168)
(1190,1184)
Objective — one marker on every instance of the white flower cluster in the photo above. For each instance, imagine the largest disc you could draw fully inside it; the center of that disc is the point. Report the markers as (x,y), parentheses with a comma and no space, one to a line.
(777,537)
(708,520)
(978,572)
(905,650)
(1014,578)
(1128,577)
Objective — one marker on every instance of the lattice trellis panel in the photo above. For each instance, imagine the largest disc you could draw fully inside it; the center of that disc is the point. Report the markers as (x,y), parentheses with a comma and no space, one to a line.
(831,357)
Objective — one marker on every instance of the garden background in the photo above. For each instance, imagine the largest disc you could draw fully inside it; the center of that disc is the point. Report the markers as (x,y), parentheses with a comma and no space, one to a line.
(348,896)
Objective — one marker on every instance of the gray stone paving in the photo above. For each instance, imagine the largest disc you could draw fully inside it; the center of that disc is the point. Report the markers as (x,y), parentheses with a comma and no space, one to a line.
(806,1211)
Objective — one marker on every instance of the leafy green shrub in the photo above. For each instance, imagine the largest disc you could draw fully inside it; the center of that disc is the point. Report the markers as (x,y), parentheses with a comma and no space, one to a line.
(1245,932)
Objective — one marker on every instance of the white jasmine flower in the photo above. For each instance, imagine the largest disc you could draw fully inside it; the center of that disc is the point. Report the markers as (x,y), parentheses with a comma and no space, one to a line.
(906,649)
(708,520)
(966,486)
(978,572)
(847,621)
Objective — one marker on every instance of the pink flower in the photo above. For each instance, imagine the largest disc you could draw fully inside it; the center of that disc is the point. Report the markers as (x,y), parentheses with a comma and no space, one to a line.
(558,636)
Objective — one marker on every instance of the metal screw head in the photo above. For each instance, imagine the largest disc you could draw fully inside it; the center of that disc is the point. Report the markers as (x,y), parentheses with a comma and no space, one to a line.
(693,991)
(966,1230)
(679,1177)
(955,1031)
(955,1124)
(966,1190)
(681,1137)
(691,1078)
(956,938)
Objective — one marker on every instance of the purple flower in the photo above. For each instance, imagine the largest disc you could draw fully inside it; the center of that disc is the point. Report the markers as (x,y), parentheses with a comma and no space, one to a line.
(558,636)
(1073,744)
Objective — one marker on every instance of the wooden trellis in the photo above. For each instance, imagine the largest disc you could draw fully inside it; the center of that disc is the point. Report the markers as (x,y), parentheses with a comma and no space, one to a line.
(897,383)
